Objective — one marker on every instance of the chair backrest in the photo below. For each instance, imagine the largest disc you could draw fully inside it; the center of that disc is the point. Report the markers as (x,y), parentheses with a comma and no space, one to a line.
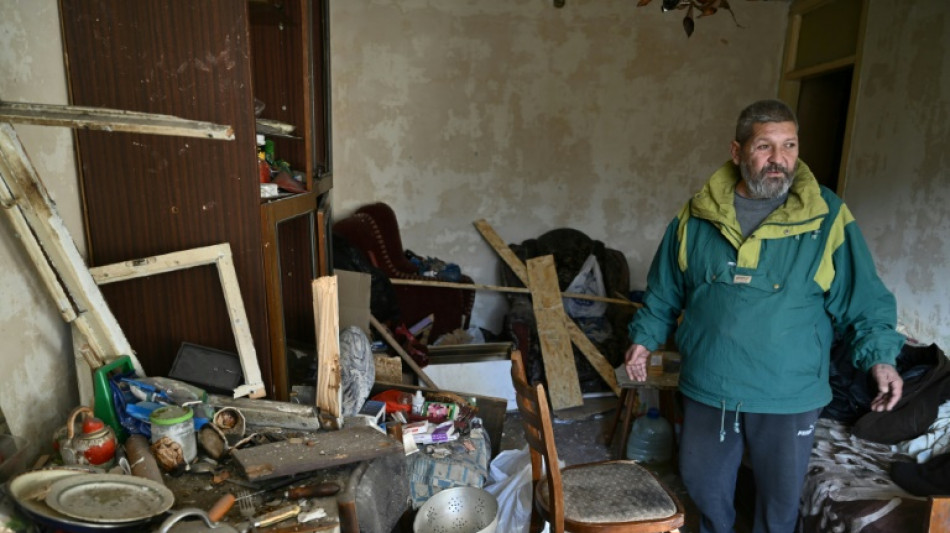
(539,432)
(388,227)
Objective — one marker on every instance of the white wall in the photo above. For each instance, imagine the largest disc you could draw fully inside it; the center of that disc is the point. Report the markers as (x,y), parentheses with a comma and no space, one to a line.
(899,171)
(600,116)
(37,381)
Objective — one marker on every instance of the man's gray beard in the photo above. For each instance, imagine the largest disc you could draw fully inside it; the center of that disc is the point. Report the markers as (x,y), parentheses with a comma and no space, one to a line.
(761,188)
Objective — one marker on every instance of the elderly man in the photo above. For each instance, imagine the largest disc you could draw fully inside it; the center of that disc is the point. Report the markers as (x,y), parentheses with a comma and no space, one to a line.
(763,266)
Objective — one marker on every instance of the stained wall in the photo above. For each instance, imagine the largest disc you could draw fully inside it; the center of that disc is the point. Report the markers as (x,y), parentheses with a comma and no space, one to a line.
(600,116)
(37,376)
(899,172)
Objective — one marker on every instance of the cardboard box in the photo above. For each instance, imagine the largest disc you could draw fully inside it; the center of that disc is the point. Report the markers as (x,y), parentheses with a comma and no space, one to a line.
(353,289)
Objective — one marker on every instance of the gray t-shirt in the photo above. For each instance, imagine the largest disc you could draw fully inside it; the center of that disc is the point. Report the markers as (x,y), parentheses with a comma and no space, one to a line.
(750,213)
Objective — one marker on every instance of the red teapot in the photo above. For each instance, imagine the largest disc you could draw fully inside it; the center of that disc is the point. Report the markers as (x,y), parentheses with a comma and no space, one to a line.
(94,446)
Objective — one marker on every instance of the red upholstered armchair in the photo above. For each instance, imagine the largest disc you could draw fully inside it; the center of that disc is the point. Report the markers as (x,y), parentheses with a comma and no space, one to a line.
(374,230)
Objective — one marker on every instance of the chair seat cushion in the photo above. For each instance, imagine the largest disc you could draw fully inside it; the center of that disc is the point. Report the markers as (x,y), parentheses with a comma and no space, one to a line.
(615,491)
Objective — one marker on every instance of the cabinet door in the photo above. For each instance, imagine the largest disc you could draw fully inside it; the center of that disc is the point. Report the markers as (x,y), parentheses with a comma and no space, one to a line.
(146,195)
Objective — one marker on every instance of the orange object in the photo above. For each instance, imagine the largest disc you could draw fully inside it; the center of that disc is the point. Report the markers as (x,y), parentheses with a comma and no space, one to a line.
(221,507)
(395,400)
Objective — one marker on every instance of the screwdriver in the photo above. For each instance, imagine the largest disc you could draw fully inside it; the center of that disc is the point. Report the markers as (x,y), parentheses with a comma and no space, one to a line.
(319,490)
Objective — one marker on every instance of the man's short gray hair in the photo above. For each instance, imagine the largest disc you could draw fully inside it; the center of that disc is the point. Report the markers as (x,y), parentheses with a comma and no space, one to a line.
(760,112)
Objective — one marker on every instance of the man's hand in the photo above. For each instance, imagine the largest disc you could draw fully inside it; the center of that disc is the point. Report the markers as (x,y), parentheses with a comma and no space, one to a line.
(890,386)
(636,362)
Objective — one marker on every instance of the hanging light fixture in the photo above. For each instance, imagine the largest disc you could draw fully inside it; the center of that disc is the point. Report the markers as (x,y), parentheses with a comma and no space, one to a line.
(704,7)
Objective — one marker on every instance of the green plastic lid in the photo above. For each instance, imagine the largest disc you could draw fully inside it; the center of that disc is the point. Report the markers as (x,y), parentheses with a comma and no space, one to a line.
(171,415)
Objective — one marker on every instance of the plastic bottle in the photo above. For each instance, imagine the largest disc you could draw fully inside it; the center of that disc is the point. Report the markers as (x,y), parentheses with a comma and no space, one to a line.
(417,402)
(651,439)
(263,166)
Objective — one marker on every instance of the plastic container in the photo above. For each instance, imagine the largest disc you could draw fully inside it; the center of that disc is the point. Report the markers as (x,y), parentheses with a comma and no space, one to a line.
(651,439)
(417,401)
(176,423)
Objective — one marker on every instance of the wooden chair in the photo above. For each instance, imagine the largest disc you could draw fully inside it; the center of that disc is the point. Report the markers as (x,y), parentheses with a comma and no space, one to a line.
(604,497)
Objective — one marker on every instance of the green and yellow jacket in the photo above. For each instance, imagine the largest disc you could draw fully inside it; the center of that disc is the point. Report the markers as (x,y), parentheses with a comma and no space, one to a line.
(759,314)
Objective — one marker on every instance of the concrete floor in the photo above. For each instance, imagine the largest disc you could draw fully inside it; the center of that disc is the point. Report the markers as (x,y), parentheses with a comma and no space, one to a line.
(581,434)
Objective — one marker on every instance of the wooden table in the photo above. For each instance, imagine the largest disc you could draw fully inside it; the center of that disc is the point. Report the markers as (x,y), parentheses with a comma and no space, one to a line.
(667,384)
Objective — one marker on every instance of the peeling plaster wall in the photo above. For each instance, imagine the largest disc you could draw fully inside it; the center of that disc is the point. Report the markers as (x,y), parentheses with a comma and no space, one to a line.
(38,382)
(600,116)
(898,179)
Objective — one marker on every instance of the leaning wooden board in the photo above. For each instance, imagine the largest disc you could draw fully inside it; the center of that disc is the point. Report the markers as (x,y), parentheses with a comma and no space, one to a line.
(564,388)
(314,452)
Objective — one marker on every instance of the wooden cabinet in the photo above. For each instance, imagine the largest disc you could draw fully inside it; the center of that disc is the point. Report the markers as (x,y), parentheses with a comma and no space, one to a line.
(145,195)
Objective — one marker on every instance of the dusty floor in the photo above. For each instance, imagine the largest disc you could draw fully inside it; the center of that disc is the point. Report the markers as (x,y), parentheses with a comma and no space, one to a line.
(581,438)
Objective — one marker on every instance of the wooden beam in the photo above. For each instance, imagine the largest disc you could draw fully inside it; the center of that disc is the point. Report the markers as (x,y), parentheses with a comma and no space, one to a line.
(497,288)
(99,118)
(326,316)
(388,336)
(25,192)
(597,359)
(502,249)
(316,451)
(559,368)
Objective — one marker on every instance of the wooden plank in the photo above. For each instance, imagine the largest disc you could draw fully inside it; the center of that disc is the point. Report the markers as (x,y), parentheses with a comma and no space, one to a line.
(100,118)
(597,359)
(326,316)
(19,177)
(218,255)
(253,386)
(593,355)
(939,514)
(497,288)
(559,368)
(316,451)
(388,336)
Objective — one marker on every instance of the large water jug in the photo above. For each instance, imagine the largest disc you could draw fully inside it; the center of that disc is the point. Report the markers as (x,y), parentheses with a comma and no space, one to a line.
(651,439)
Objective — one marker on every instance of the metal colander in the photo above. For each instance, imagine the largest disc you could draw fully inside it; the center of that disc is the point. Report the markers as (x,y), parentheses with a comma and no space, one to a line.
(458,510)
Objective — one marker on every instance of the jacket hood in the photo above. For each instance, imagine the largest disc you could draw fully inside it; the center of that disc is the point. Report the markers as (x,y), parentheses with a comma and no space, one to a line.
(716,200)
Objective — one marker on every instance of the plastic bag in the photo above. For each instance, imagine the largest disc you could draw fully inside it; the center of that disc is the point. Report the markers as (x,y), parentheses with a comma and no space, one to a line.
(588,281)
(509,482)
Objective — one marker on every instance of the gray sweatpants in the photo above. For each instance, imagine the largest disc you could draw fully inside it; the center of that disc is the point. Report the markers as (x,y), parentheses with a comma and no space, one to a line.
(777,449)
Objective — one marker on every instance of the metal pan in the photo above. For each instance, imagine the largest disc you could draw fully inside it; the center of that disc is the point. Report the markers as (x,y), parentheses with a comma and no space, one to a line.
(29,491)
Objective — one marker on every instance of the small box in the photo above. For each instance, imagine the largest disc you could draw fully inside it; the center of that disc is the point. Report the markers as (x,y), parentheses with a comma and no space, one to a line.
(436,411)
(443,432)
(374,410)
(415,428)
(388,369)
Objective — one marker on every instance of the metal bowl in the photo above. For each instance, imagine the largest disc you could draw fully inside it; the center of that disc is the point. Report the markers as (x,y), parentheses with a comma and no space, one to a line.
(458,510)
